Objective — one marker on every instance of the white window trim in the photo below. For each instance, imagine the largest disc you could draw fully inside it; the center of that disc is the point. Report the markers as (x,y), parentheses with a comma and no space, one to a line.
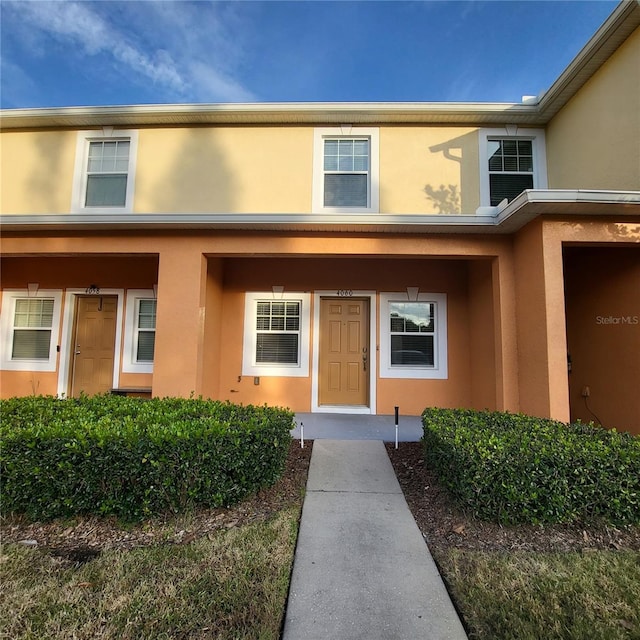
(249,365)
(130,347)
(537,137)
(9,297)
(440,369)
(66,342)
(316,407)
(346,131)
(80,170)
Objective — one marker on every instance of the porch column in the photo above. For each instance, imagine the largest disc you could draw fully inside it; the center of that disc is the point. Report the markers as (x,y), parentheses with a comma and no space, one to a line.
(178,357)
(505,338)
(542,341)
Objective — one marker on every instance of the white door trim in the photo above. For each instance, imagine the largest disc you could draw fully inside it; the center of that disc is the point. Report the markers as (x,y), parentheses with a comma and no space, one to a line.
(373,353)
(68,314)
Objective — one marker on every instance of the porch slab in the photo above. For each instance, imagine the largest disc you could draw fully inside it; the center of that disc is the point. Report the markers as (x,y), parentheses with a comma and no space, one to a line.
(343,426)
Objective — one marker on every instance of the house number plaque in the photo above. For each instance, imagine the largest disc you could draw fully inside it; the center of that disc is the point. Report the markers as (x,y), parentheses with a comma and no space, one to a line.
(345,293)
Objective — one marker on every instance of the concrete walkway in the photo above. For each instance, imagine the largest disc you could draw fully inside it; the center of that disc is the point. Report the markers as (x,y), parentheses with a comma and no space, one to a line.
(362,568)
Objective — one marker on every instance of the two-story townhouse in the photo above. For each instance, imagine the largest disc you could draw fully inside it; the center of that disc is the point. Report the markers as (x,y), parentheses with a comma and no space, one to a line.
(335,257)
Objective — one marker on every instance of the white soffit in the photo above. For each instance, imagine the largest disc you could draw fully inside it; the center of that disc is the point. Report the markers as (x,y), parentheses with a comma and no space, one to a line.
(520,211)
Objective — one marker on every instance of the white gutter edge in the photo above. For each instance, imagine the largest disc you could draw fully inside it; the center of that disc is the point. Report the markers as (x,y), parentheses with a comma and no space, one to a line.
(490,219)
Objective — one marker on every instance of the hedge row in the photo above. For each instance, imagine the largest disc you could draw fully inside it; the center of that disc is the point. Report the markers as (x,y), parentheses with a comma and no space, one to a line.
(134,458)
(515,468)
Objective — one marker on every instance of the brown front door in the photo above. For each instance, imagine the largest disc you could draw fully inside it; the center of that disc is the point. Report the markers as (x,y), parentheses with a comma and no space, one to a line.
(94,344)
(344,358)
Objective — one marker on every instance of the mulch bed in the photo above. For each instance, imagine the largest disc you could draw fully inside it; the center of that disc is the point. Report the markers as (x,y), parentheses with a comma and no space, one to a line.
(445,526)
(81,539)
(442,523)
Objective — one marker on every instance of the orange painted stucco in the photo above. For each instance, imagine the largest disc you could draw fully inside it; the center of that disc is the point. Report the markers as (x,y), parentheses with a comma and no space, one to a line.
(603,331)
(506,300)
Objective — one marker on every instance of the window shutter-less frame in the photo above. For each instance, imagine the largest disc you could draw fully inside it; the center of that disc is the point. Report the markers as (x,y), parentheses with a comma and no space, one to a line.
(33,319)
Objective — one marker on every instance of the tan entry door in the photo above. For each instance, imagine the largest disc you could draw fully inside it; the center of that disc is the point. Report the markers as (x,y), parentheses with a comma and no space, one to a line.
(344,358)
(94,344)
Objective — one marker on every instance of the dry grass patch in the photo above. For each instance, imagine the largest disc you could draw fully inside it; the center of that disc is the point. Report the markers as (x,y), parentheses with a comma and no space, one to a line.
(229,584)
(526,596)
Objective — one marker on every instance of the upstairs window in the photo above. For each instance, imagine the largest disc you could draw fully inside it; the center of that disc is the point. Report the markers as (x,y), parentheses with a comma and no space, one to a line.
(345,170)
(510,168)
(510,164)
(105,172)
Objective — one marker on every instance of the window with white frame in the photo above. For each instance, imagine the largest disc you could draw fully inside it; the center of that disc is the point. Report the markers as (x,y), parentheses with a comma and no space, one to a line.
(140,331)
(345,170)
(413,336)
(105,171)
(30,330)
(276,334)
(510,164)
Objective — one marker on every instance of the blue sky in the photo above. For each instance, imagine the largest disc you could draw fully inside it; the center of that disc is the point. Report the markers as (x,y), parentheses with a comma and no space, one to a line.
(108,52)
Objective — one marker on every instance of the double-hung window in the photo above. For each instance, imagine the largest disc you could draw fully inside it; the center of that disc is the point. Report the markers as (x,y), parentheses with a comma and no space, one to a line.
(145,329)
(276,335)
(140,331)
(510,164)
(105,172)
(345,170)
(413,336)
(30,330)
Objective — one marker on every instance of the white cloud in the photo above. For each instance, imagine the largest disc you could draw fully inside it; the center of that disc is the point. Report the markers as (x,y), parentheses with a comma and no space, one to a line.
(186,50)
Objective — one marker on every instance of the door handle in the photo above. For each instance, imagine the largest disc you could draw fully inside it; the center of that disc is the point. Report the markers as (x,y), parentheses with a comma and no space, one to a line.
(77,351)
(364,358)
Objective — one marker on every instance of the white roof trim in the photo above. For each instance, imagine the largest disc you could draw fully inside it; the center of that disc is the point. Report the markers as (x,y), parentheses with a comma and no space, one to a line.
(515,215)
(624,19)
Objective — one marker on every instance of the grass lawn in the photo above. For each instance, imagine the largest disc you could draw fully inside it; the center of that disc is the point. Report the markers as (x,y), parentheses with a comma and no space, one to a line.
(230,584)
(593,595)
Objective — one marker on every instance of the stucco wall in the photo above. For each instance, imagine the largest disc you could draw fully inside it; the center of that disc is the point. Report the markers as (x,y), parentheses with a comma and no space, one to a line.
(594,141)
(245,169)
(603,332)
(37,171)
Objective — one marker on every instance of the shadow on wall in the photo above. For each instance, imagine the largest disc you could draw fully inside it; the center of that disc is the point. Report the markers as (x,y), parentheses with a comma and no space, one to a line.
(194,179)
(449,198)
(445,199)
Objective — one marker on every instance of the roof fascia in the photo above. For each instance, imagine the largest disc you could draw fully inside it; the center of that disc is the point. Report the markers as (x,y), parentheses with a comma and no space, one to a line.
(605,41)
(615,30)
(527,206)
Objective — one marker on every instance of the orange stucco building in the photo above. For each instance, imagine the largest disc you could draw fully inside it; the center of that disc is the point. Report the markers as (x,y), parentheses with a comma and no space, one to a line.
(335,257)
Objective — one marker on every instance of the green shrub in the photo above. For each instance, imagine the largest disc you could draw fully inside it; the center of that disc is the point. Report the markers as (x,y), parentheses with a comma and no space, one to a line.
(133,458)
(515,468)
